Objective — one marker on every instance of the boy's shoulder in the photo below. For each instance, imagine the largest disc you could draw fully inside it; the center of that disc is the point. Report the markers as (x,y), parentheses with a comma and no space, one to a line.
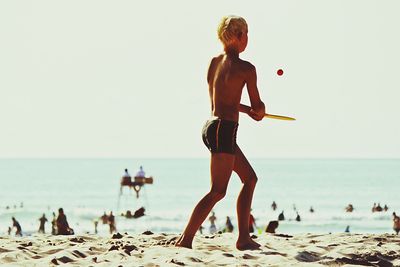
(247,65)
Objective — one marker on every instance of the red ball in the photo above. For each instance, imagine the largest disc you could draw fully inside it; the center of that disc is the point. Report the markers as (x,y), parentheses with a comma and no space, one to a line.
(280,72)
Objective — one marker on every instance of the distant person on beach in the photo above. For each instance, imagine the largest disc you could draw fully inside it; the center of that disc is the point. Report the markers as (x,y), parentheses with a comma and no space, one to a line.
(96,223)
(111,223)
(17,226)
(252,223)
(228,225)
(347,230)
(271,227)
(227,75)
(42,221)
(349,208)
(212,219)
(141,172)
(201,228)
(62,224)
(311,209)
(9,230)
(396,223)
(274,206)
(281,217)
(54,225)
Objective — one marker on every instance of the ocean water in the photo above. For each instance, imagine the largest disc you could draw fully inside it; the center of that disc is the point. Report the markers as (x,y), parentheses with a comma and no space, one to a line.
(86,188)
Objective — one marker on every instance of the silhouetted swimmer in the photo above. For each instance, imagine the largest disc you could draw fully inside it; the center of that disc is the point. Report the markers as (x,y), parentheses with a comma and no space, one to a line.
(349,208)
(111,223)
(396,223)
(228,225)
(311,209)
(298,217)
(17,226)
(385,208)
(42,221)
(373,208)
(379,208)
(212,219)
(274,206)
(271,227)
(281,217)
(104,218)
(62,224)
(139,213)
(128,214)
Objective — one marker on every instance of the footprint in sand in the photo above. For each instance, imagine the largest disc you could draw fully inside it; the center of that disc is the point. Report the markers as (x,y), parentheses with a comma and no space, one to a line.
(2,250)
(273,253)
(63,259)
(52,251)
(78,254)
(177,262)
(306,256)
(249,257)
(194,259)
(77,240)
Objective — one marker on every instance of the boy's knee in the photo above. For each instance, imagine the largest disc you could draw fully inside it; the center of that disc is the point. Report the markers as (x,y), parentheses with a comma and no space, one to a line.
(252,180)
(217,194)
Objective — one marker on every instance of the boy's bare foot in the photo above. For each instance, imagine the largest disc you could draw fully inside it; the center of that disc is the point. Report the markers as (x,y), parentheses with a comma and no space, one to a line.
(249,244)
(181,243)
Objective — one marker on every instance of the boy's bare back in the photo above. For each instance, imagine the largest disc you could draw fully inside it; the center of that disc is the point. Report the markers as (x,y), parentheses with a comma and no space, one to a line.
(226,78)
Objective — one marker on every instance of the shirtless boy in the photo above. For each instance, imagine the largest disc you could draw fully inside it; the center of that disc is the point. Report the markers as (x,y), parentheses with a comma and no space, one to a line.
(227,76)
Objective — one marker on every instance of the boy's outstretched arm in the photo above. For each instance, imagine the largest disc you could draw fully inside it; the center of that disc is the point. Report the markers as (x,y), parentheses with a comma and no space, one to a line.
(257,110)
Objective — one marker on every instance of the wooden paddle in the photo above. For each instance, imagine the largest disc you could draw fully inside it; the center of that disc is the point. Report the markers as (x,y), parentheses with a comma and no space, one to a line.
(247,109)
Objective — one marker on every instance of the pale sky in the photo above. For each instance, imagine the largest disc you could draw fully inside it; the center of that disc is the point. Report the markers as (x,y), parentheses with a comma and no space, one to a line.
(128,78)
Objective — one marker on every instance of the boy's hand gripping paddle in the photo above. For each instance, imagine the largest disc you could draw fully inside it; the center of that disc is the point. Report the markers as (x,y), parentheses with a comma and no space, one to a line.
(270,116)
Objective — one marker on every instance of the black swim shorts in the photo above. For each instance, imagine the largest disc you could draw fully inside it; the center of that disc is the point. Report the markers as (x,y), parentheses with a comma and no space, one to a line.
(219,135)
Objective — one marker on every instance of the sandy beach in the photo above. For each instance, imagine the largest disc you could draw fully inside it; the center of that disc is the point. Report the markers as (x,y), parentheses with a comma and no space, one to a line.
(152,249)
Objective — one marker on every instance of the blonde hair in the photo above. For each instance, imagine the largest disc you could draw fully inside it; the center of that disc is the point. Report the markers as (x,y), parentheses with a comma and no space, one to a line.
(230,28)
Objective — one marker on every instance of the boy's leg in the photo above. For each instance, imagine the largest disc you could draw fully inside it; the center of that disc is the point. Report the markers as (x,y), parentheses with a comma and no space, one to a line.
(249,179)
(221,170)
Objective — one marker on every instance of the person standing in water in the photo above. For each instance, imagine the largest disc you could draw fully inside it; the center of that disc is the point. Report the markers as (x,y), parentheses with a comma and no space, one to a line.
(227,76)
(17,226)
(54,224)
(43,221)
